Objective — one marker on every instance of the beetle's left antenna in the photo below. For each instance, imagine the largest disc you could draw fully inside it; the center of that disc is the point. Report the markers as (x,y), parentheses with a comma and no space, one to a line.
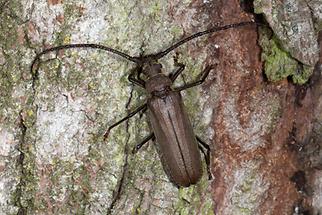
(90,45)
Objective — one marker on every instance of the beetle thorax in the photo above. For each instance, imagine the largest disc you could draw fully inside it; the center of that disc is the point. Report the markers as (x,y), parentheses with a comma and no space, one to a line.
(158,85)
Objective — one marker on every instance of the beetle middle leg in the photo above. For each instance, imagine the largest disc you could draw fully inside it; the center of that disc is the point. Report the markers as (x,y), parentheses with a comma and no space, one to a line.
(142,108)
(144,141)
(173,76)
(201,144)
(203,75)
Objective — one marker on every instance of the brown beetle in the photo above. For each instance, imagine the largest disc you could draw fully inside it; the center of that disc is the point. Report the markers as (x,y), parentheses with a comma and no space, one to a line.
(177,144)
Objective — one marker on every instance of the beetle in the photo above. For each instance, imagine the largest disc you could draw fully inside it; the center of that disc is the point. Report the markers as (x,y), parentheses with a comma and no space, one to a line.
(177,145)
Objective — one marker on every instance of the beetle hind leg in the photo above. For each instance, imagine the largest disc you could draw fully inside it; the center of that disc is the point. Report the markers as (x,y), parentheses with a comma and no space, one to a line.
(201,146)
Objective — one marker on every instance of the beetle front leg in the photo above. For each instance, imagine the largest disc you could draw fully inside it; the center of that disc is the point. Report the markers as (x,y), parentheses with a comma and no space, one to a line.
(203,75)
(206,155)
(137,81)
(173,76)
(140,108)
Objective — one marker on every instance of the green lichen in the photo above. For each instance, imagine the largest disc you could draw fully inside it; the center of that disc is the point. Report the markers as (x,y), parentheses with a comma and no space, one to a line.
(244,211)
(195,198)
(189,201)
(275,113)
(24,195)
(65,179)
(318,25)
(155,9)
(15,110)
(176,31)
(279,64)
(9,76)
(259,5)
(81,193)
(247,189)
(71,12)
(9,23)
(302,75)
(6,87)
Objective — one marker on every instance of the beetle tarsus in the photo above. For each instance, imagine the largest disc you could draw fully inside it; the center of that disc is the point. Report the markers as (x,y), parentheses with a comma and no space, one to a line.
(106,134)
(201,144)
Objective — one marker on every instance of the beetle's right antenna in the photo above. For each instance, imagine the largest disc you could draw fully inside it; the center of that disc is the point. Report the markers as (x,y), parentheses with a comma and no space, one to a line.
(93,46)
(199,34)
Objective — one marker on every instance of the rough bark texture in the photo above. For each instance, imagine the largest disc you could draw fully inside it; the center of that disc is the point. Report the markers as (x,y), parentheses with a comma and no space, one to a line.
(265,136)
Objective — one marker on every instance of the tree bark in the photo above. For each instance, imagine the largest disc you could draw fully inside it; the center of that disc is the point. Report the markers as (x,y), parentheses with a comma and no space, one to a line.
(259,109)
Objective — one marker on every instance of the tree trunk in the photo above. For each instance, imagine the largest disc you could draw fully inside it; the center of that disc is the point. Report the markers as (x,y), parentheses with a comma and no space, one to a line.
(259,109)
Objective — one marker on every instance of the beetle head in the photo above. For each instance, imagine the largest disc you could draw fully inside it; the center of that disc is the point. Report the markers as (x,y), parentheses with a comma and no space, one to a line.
(151,69)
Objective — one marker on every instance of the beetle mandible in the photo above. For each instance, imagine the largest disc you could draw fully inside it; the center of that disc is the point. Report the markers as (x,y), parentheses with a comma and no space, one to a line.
(176,142)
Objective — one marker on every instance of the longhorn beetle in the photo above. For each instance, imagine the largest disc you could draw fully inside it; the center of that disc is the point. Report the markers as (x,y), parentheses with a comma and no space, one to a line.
(176,142)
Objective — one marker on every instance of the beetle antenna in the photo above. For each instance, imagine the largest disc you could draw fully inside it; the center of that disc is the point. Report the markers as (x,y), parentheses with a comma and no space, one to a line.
(199,34)
(93,46)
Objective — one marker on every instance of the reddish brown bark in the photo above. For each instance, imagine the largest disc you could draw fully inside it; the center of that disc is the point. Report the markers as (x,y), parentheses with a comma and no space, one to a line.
(278,162)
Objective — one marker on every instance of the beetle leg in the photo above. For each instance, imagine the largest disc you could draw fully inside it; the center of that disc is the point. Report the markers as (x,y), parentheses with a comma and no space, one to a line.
(173,76)
(203,75)
(206,155)
(144,141)
(138,77)
(142,108)
(138,81)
